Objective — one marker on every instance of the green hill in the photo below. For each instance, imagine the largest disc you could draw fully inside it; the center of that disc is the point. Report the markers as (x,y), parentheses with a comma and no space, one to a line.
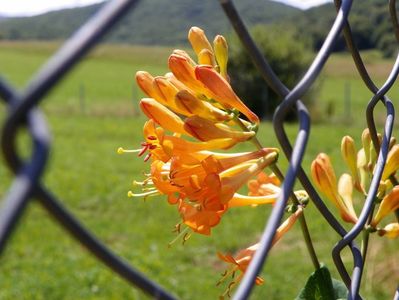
(154,22)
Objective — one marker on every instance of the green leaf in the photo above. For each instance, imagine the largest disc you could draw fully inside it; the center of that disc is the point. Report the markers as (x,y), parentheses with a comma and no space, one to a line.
(320,286)
(340,290)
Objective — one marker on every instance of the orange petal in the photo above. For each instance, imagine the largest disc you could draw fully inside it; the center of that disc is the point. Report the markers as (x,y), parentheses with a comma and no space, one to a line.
(389,204)
(162,116)
(206,130)
(222,91)
(193,106)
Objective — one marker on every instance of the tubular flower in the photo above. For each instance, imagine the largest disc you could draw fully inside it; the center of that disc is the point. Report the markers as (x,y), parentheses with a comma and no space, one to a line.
(389,204)
(392,164)
(221,53)
(162,116)
(199,218)
(324,178)
(349,154)
(193,110)
(199,41)
(201,179)
(221,91)
(187,102)
(205,130)
(243,258)
(391,231)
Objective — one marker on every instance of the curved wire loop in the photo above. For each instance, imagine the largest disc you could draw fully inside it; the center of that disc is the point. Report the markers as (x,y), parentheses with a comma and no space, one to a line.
(26,185)
(23,112)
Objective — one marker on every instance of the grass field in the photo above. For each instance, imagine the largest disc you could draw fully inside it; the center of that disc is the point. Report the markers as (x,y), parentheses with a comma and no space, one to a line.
(91,114)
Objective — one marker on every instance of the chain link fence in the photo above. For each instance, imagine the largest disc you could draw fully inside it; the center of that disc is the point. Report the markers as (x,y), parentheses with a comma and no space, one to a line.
(23,112)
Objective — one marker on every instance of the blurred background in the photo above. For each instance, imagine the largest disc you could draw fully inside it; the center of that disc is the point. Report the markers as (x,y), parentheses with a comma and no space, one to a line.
(95,110)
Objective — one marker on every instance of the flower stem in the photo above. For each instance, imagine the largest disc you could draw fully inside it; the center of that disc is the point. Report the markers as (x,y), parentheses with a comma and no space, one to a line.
(302,220)
(254,139)
(294,199)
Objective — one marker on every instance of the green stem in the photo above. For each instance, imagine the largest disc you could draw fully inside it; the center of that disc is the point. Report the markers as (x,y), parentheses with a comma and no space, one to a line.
(254,139)
(302,220)
(294,199)
(365,243)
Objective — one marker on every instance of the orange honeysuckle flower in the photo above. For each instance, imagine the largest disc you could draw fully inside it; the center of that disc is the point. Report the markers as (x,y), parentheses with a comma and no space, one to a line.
(185,101)
(210,188)
(391,231)
(162,115)
(205,130)
(243,258)
(199,41)
(221,91)
(324,178)
(388,205)
(199,218)
(239,263)
(221,52)
(392,164)
(188,171)
(234,178)
(264,185)
(163,147)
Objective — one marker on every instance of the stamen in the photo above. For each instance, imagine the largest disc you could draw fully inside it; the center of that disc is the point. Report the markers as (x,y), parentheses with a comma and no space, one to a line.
(151,137)
(147,157)
(182,233)
(143,150)
(121,150)
(130,194)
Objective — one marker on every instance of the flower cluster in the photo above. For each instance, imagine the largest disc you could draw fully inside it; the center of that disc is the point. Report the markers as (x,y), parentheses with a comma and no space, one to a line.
(361,165)
(192,112)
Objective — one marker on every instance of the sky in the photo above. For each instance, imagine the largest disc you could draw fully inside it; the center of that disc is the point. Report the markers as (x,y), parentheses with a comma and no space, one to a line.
(34,7)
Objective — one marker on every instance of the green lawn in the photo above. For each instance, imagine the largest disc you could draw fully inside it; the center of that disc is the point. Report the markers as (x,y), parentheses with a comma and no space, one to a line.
(41,262)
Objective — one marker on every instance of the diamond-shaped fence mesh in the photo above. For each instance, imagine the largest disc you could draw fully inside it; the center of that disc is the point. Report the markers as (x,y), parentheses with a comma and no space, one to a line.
(23,111)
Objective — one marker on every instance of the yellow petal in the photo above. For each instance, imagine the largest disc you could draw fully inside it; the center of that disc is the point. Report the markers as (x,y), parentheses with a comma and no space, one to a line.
(162,116)
(198,40)
(349,154)
(366,142)
(222,91)
(345,190)
(205,57)
(391,231)
(206,130)
(388,205)
(221,53)
(242,200)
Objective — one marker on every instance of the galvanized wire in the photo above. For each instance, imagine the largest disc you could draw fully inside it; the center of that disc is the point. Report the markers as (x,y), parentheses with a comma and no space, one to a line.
(27,185)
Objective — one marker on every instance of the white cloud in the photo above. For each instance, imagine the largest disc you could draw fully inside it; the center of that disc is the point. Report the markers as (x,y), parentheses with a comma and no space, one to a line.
(304,4)
(33,7)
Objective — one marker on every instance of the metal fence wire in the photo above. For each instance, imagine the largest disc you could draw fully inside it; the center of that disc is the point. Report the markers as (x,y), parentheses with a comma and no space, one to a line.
(23,112)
